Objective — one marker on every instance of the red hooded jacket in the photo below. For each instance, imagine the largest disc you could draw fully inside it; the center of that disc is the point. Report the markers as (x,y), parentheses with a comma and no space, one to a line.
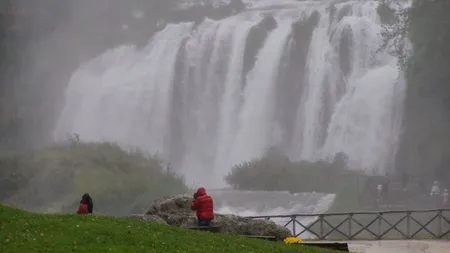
(203,205)
(83,209)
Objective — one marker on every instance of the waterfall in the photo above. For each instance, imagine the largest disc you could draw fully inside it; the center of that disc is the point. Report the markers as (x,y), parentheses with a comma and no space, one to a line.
(252,137)
(306,76)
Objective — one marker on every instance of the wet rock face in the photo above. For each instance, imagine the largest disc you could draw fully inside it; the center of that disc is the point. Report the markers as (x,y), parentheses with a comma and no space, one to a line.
(232,224)
(176,212)
(199,10)
(255,41)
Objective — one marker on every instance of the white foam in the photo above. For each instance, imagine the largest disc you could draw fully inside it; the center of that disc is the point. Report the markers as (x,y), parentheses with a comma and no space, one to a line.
(265,203)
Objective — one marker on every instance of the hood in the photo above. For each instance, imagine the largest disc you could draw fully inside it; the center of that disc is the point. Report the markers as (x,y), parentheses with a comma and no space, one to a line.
(201,191)
(86,199)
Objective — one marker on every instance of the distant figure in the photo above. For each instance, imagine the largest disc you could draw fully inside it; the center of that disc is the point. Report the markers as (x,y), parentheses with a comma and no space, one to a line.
(445,198)
(203,204)
(380,191)
(86,205)
(435,191)
(405,180)
(435,194)
(379,197)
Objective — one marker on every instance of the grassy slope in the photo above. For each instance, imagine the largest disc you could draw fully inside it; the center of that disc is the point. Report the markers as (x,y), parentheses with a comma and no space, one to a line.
(23,231)
(53,179)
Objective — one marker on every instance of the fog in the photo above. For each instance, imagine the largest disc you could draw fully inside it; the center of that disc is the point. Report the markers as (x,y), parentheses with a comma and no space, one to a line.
(213,93)
(56,37)
(206,86)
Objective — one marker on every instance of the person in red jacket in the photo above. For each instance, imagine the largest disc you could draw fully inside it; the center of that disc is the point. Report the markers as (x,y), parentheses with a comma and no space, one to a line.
(86,205)
(203,204)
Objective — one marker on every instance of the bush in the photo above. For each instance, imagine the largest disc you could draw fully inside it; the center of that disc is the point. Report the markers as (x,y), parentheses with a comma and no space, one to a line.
(275,171)
(120,182)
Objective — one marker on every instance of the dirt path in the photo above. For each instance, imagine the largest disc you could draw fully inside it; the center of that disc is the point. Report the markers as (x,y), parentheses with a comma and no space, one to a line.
(400,247)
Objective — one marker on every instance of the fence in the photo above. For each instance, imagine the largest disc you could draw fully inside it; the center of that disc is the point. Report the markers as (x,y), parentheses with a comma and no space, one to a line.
(385,225)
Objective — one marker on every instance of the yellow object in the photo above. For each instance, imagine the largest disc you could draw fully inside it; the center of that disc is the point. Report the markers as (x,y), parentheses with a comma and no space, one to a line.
(292,240)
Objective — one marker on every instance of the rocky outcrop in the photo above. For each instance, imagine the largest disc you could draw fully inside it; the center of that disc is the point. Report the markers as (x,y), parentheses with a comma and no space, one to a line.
(255,41)
(176,212)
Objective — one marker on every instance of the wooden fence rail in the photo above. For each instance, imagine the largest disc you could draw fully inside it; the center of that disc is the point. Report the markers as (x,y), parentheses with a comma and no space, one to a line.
(383,225)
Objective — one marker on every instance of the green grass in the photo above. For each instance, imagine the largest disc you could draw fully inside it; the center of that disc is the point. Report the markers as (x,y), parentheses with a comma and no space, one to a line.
(23,231)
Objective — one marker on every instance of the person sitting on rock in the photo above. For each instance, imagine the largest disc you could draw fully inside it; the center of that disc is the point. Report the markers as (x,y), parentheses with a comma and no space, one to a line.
(86,205)
(203,204)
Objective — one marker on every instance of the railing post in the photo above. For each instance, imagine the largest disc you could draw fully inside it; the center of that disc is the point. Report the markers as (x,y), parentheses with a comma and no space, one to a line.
(408,225)
(379,226)
(350,219)
(293,219)
(321,233)
(439,225)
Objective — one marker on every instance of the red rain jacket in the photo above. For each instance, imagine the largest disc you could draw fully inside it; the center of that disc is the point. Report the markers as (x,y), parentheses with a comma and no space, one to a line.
(203,205)
(83,209)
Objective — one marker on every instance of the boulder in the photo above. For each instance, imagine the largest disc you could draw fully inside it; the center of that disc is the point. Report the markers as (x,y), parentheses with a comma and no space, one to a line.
(176,212)
(178,205)
(233,224)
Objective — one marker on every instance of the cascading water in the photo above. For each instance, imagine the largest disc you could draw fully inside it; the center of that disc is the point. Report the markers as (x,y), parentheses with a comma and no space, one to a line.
(209,95)
(265,203)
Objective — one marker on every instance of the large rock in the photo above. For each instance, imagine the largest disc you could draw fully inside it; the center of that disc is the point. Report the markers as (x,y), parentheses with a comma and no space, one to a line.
(178,205)
(176,211)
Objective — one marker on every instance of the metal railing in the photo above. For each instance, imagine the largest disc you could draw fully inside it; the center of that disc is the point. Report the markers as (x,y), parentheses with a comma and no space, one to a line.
(383,225)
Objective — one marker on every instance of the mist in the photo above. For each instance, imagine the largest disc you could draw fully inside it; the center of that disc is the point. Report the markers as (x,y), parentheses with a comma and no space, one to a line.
(205,85)
(59,44)
(295,77)
(56,37)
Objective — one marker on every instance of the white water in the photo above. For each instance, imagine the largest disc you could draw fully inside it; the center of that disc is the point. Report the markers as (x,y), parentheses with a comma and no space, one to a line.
(186,97)
(258,104)
(266,203)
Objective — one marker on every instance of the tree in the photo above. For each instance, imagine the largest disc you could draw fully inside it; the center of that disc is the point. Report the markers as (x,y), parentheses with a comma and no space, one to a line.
(425,139)
(395,31)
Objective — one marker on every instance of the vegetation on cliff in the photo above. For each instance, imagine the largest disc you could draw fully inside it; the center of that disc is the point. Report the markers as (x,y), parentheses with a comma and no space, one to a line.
(54,179)
(276,172)
(424,150)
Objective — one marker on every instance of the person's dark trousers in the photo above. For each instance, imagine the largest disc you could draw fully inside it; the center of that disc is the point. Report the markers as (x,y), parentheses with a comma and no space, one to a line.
(204,223)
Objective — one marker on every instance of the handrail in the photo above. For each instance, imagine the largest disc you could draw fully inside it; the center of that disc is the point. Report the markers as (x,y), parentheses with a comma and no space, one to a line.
(354,213)
(385,224)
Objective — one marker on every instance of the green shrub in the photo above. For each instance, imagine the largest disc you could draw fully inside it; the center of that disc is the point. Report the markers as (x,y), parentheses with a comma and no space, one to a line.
(275,171)
(54,179)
